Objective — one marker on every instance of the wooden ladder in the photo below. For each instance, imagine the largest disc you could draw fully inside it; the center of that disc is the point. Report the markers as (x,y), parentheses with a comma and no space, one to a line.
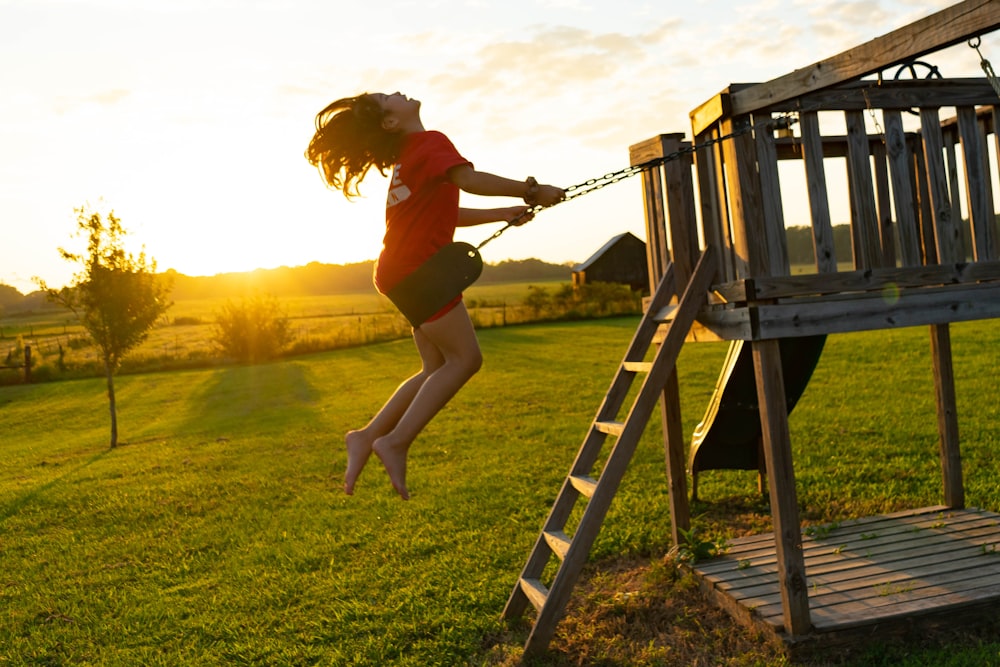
(598,493)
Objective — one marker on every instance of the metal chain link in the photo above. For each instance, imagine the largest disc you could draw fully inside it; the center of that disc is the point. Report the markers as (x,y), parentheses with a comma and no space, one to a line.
(985,64)
(588,186)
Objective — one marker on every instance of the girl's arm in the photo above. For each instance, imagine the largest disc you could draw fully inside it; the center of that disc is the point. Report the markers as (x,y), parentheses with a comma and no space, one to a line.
(469,217)
(484,183)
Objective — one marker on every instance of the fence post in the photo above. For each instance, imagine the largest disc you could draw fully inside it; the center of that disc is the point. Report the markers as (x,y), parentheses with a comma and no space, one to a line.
(27,364)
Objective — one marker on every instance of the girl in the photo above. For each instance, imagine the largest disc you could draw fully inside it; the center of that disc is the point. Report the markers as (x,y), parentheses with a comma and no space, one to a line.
(378,130)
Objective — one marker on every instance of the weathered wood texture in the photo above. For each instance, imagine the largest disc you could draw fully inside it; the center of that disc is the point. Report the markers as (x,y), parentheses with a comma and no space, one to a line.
(949,26)
(868,573)
(777,447)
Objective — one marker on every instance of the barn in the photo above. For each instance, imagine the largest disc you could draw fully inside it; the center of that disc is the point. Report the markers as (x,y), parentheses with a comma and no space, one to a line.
(621,260)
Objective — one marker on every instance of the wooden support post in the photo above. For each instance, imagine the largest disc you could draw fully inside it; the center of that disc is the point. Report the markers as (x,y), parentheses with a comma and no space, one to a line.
(947,414)
(781,477)
(653,196)
(673,443)
(677,198)
(682,222)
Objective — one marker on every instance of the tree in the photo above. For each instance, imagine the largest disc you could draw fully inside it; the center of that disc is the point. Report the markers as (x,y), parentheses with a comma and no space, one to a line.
(117,296)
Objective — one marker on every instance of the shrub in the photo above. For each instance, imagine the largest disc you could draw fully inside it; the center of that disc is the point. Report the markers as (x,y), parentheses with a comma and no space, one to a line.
(538,300)
(253,330)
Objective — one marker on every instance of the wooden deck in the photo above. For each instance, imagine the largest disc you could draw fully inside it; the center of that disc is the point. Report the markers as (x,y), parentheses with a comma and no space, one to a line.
(934,567)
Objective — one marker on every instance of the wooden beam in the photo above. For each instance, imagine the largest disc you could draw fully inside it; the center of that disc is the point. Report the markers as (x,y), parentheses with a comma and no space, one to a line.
(912,308)
(947,411)
(781,476)
(892,94)
(949,26)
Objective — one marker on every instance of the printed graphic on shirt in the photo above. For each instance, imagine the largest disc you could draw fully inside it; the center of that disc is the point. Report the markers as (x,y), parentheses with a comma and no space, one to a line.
(398,192)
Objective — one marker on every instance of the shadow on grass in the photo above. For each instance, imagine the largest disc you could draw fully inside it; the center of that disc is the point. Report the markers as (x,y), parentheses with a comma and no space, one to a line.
(11,509)
(263,397)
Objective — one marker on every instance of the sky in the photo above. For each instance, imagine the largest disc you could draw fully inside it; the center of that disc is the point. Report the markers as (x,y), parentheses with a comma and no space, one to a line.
(189,118)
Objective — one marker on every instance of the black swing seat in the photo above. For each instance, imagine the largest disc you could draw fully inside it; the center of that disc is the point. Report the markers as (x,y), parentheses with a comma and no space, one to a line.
(437,282)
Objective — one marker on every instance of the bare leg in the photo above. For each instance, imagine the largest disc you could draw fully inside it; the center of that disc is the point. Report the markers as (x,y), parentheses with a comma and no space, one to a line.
(455,339)
(359,442)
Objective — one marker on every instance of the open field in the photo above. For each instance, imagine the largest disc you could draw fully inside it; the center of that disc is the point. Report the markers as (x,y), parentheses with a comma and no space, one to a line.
(184,336)
(217,534)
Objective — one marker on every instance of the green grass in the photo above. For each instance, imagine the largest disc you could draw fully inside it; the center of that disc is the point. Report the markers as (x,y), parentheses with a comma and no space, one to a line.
(217,534)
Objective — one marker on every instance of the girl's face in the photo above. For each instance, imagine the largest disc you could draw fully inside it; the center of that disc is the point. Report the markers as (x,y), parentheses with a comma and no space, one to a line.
(399,111)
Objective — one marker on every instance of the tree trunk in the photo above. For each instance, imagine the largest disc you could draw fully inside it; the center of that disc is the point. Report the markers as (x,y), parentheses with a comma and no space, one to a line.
(109,369)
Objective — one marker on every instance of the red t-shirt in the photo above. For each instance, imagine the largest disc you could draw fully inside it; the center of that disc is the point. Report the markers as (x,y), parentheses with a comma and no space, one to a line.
(421,211)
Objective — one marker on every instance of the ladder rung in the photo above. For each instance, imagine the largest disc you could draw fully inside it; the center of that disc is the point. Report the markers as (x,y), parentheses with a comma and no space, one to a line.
(610,427)
(665,314)
(558,542)
(535,591)
(638,366)
(585,485)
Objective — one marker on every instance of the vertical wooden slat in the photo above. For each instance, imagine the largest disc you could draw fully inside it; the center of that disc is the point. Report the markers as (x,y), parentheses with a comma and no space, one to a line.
(924,208)
(900,172)
(819,200)
(864,226)
(887,236)
(950,137)
(657,252)
(947,411)
(977,185)
(985,121)
(717,229)
(781,476)
(749,233)
(946,234)
(770,188)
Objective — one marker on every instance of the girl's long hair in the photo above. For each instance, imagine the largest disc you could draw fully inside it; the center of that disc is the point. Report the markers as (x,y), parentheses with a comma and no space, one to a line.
(349,140)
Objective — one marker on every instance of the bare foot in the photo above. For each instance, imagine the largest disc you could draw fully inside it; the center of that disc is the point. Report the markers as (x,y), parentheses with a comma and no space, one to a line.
(394,460)
(359,448)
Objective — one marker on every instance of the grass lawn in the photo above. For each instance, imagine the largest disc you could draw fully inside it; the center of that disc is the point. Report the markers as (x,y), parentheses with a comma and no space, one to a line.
(217,533)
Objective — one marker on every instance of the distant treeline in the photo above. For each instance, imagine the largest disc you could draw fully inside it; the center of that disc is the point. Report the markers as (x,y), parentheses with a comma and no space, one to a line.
(314,279)
(317,279)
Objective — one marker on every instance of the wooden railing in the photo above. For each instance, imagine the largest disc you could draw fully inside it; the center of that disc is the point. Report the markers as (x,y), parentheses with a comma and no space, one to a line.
(912,151)
(905,183)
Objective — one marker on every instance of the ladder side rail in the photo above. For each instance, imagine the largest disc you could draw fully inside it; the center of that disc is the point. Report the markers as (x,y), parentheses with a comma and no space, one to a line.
(591,447)
(691,302)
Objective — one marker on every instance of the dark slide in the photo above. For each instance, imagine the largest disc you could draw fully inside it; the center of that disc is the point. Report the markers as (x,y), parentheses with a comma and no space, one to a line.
(728,436)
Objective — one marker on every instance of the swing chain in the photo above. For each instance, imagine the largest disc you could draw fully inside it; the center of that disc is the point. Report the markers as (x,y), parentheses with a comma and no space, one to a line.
(580,189)
(985,64)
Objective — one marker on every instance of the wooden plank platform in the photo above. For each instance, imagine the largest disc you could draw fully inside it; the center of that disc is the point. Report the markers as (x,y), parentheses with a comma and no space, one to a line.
(868,575)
